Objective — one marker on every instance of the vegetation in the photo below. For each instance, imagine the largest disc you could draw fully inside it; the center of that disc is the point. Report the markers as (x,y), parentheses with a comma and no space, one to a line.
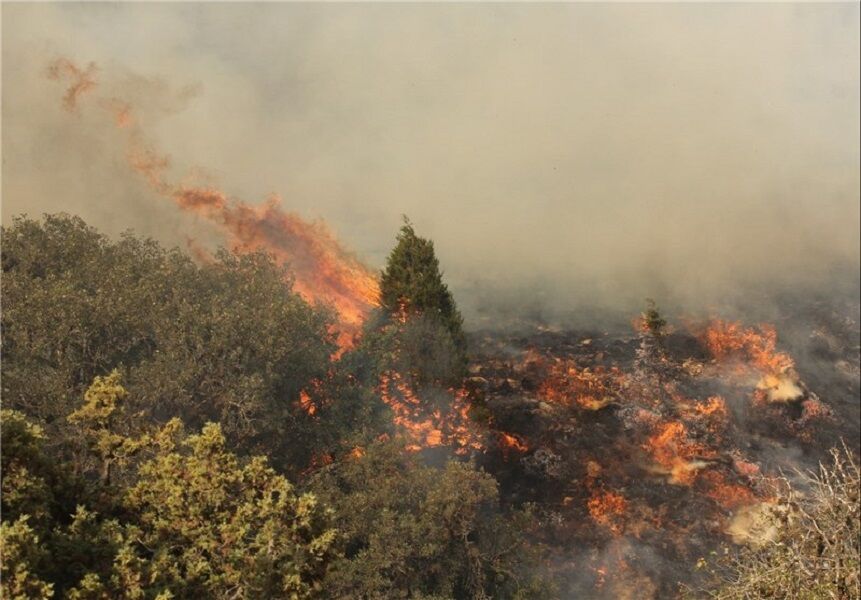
(444,523)
(651,360)
(813,551)
(157,441)
(175,430)
(411,286)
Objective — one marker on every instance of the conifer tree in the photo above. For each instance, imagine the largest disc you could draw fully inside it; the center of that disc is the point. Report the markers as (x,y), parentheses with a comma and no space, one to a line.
(412,285)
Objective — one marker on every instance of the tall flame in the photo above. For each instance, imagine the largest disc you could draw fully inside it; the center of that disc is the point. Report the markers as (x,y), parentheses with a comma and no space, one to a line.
(323,270)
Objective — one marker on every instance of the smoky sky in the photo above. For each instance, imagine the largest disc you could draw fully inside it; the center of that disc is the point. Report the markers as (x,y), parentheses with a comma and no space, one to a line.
(567,154)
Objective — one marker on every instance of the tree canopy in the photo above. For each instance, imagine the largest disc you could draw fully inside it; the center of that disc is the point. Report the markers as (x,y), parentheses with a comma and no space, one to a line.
(181,430)
(413,293)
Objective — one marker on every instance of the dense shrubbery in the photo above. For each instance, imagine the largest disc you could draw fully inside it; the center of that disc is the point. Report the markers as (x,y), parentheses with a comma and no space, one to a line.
(113,349)
(227,341)
(444,524)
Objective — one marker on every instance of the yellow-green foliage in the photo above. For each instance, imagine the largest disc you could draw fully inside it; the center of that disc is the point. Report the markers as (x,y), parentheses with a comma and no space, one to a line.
(24,489)
(195,521)
(97,420)
(218,528)
(21,552)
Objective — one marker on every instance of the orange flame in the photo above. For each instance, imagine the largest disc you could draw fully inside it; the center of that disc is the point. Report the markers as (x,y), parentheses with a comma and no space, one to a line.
(728,495)
(726,340)
(509,442)
(608,509)
(306,403)
(674,452)
(323,270)
(429,428)
(569,385)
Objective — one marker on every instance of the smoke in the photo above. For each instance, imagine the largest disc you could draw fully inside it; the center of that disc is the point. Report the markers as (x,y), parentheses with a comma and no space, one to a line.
(561,156)
(321,269)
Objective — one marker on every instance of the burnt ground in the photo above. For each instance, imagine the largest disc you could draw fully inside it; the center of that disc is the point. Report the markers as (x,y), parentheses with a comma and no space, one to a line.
(614,522)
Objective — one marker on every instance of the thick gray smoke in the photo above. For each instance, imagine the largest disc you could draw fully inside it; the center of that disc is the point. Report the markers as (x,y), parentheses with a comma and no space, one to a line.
(563,156)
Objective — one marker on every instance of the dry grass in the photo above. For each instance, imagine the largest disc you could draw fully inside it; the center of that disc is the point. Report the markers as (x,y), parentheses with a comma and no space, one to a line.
(815,552)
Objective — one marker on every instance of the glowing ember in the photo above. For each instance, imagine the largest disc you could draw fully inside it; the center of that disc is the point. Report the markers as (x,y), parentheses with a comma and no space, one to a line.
(426,428)
(728,495)
(608,509)
(306,403)
(584,388)
(510,442)
(712,414)
(713,407)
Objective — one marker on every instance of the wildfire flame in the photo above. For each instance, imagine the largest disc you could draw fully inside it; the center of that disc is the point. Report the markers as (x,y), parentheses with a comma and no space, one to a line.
(608,509)
(508,442)
(323,270)
(755,348)
(429,427)
(588,389)
(307,404)
(728,340)
(674,452)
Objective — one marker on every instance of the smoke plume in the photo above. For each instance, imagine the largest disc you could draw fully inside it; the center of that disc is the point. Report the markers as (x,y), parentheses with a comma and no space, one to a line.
(560,156)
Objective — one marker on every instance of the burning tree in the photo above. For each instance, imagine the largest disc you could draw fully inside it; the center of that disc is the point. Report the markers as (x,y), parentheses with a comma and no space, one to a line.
(651,355)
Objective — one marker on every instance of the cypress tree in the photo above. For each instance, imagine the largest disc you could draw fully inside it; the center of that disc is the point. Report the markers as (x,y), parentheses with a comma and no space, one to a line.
(412,285)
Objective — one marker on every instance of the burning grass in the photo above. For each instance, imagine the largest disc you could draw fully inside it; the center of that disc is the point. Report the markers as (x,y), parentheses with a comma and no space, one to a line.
(665,466)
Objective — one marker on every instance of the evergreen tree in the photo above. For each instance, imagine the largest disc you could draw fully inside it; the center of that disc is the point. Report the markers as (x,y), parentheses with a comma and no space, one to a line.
(411,286)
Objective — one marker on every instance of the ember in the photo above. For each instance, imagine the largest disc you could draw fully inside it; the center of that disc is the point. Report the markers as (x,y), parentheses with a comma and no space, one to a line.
(426,426)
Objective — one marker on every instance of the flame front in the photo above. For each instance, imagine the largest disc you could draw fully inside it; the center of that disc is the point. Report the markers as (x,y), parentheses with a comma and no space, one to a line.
(754,349)
(726,340)
(323,271)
